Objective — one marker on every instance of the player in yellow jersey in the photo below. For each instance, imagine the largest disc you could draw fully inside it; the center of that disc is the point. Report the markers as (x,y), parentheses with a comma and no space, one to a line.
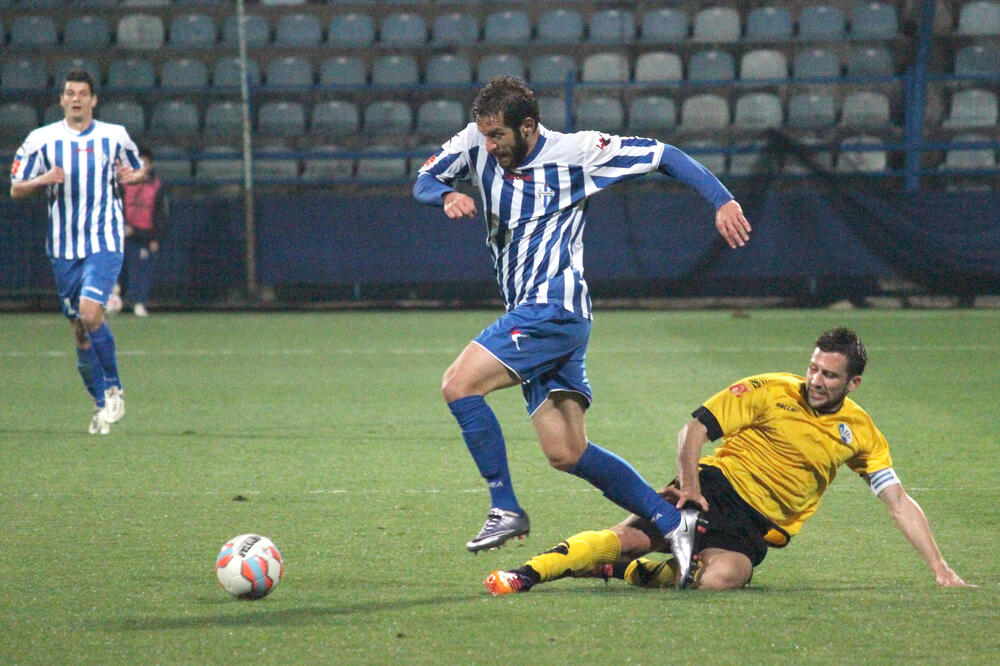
(783,439)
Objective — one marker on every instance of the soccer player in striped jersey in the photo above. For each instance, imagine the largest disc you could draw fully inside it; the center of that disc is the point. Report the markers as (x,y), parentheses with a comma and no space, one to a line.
(783,439)
(534,184)
(78,161)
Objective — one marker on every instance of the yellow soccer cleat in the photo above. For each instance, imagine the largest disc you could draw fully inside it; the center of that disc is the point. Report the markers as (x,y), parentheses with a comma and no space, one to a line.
(647,572)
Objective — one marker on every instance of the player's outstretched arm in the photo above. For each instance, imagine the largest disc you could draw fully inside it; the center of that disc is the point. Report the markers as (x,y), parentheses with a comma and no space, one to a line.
(912,522)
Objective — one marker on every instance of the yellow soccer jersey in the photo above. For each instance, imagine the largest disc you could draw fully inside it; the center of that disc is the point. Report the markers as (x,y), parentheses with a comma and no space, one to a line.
(780,454)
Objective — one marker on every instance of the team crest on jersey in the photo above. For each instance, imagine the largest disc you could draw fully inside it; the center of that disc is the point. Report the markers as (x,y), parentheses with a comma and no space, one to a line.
(545,193)
(603,142)
(846,436)
(738,389)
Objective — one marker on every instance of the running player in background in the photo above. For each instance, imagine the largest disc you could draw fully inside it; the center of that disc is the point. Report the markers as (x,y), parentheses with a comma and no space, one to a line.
(784,438)
(78,160)
(534,184)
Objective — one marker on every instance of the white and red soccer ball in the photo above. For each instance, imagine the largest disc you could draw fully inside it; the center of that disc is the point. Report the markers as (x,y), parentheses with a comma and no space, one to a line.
(249,566)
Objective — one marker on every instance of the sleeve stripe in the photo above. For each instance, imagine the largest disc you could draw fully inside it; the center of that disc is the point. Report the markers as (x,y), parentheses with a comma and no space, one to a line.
(882,479)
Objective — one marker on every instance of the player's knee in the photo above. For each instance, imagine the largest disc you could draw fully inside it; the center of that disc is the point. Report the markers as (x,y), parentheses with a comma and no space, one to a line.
(91,319)
(723,578)
(563,460)
(453,388)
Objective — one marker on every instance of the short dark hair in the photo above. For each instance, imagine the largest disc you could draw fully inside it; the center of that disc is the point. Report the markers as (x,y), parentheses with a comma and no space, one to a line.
(508,97)
(845,341)
(80,75)
(145,150)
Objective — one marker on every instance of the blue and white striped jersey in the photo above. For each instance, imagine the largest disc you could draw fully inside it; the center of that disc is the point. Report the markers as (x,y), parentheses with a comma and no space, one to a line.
(85,210)
(535,214)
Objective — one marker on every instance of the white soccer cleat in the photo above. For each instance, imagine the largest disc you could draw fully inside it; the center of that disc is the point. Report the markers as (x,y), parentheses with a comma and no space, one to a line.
(114,401)
(139,310)
(682,546)
(99,424)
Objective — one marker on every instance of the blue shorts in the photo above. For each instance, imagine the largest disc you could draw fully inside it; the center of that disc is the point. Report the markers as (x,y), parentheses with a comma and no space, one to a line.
(92,277)
(545,346)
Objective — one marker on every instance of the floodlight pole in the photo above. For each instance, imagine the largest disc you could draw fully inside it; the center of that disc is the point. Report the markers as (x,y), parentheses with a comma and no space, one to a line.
(248,198)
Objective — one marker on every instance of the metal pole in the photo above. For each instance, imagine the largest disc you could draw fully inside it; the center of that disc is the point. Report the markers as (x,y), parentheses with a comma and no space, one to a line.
(248,198)
(915,91)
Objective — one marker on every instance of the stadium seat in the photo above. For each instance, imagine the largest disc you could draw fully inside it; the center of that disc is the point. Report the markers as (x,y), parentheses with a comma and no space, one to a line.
(811,160)
(53,113)
(395,70)
(708,154)
(716,24)
(219,165)
(343,71)
(322,165)
(757,111)
(33,32)
(455,29)
(140,31)
(869,61)
(387,117)
(873,160)
(652,115)
(226,73)
(403,29)
(611,26)
(174,119)
(705,111)
(559,26)
(124,112)
(970,158)
(601,112)
(192,31)
(874,20)
(172,163)
(658,66)
(811,111)
(448,69)
(864,109)
(821,22)
(131,74)
(768,24)
(335,117)
(552,69)
(712,65)
(271,164)
(61,68)
(19,119)
(748,159)
(972,108)
(664,26)
(223,120)
(351,30)
(981,18)
(382,168)
(183,73)
(763,64)
(605,68)
(283,118)
(23,74)
(978,60)
(86,32)
(288,71)
(495,65)
(553,112)
(440,118)
(298,30)
(258,33)
(508,27)
(815,64)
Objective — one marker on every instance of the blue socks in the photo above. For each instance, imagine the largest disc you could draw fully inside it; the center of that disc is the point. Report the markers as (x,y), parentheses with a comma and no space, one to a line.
(92,373)
(103,344)
(621,484)
(482,435)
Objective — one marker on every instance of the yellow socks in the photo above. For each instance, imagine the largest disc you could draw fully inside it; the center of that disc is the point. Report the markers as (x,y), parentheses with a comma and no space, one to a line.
(577,555)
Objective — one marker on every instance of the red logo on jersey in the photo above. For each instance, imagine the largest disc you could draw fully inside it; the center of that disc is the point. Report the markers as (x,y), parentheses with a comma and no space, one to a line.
(430,161)
(14,167)
(603,142)
(738,389)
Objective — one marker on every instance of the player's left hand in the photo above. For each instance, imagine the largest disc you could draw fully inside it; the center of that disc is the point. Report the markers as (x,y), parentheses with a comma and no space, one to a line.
(731,223)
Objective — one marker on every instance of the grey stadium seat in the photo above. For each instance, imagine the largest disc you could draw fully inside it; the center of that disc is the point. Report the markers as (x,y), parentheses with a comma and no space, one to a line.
(869,160)
(448,69)
(174,118)
(31,32)
(605,68)
(821,22)
(611,26)
(757,111)
(440,118)
(269,163)
(869,61)
(716,24)
(815,64)
(704,111)
(382,168)
(257,31)
(388,117)
(323,165)
(140,31)
(131,74)
(298,30)
(508,27)
(497,64)
(811,111)
(343,71)
(183,73)
(664,26)
(219,165)
(979,18)
(972,108)
(874,20)
(658,66)
(762,64)
(61,68)
(335,118)
(559,26)
(602,113)
(553,112)
(455,29)
(172,163)
(865,109)
(18,120)
(23,74)
(970,158)
(223,120)
(86,32)
(768,24)
(288,71)
(284,118)
(712,65)
(978,60)
(403,29)
(395,70)
(124,112)
(226,73)
(192,31)
(651,115)
(552,68)
(351,30)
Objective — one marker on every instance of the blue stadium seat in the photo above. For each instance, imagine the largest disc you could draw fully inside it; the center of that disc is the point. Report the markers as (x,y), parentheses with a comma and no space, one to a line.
(815,64)
(33,32)
(140,31)
(335,117)
(298,30)
(322,165)
(19,119)
(873,160)
(440,118)
(652,115)
(497,64)
(455,29)
(382,168)
(552,69)
(704,111)
(257,30)
(61,68)
(978,60)
(870,61)
(131,74)
(172,163)
(395,70)
(403,29)
(23,74)
(223,120)
(226,72)
(601,112)
(174,119)
(343,71)
(972,108)
(716,24)
(658,66)
(559,26)
(605,68)
(664,26)
(757,111)
(821,22)
(448,69)
(285,118)
(351,30)
(183,73)
(874,20)
(865,109)
(86,32)
(271,163)
(763,64)
(388,117)
(507,27)
(124,112)
(711,65)
(192,31)
(811,111)
(611,26)
(769,24)
(980,18)
(219,165)
(288,71)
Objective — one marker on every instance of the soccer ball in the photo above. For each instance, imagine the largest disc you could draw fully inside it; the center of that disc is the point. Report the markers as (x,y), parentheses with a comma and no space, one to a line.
(249,566)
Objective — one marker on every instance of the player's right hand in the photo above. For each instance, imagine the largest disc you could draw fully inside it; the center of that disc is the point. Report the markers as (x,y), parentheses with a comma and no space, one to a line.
(53,176)
(458,205)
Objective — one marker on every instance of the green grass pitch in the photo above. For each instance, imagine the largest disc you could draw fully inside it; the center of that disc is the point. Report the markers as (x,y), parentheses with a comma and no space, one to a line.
(332,428)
